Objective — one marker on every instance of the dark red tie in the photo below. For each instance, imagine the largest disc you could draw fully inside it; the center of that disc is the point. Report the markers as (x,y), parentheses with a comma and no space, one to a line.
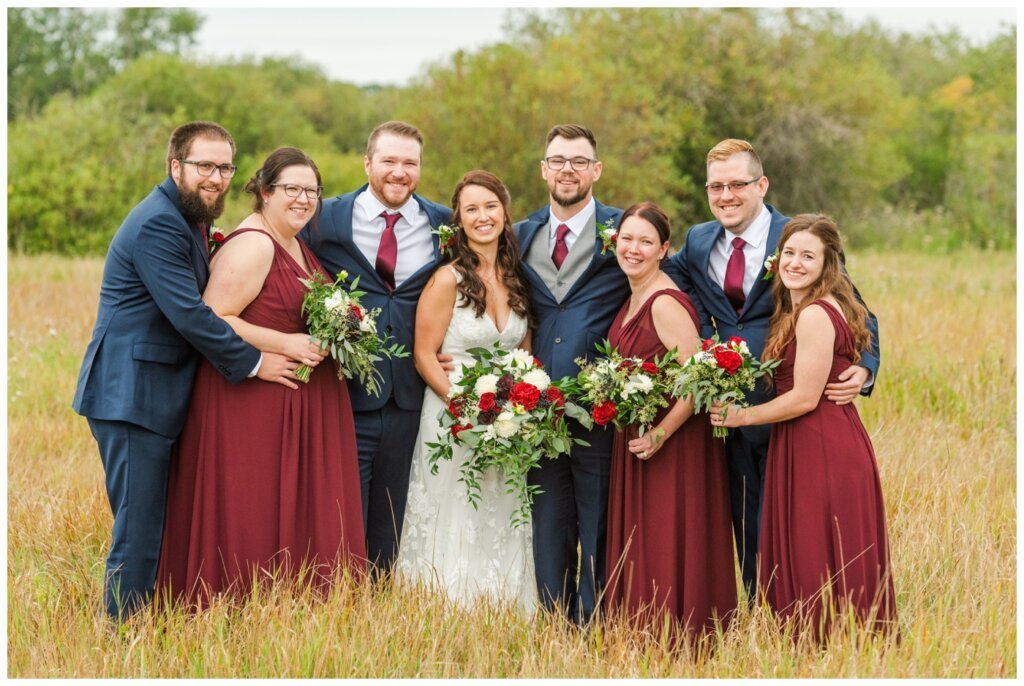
(206,237)
(387,251)
(561,249)
(734,272)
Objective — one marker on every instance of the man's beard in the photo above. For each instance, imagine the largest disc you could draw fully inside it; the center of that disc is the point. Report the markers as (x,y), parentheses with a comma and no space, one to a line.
(571,200)
(196,211)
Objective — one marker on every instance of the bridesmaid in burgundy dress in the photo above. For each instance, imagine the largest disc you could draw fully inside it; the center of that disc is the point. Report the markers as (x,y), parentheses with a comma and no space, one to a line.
(264,480)
(669,523)
(824,550)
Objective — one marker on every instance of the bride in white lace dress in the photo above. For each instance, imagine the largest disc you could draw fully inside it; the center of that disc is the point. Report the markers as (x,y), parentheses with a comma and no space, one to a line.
(476,301)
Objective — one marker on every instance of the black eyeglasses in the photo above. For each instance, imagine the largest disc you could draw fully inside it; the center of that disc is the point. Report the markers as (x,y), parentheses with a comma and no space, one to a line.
(206,168)
(734,186)
(292,190)
(578,163)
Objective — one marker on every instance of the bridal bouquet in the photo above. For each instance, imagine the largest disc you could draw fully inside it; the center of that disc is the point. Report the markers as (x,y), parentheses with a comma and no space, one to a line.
(343,327)
(627,391)
(721,372)
(507,413)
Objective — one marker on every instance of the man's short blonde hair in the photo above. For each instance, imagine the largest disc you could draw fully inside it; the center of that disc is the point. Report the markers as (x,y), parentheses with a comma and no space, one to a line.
(734,146)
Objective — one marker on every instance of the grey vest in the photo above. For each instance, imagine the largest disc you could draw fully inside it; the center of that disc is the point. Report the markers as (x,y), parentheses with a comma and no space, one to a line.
(576,262)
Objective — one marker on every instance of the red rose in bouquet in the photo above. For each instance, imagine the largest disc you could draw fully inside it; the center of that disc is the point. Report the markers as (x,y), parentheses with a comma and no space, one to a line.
(649,367)
(525,394)
(356,311)
(555,397)
(486,402)
(604,413)
(455,407)
(729,360)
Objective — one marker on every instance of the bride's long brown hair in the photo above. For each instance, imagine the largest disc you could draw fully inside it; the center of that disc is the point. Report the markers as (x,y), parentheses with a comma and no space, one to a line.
(466,261)
(833,281)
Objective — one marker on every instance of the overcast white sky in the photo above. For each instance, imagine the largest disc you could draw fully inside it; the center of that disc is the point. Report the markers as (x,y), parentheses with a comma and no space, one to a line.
(391,45)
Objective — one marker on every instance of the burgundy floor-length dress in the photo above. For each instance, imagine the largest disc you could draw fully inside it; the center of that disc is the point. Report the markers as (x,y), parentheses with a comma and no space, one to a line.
(823,542)
(669,524)
(264,478)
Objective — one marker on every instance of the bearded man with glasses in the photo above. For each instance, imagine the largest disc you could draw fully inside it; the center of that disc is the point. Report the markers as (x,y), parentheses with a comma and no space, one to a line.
(151,328)
(575,293)
(722,267)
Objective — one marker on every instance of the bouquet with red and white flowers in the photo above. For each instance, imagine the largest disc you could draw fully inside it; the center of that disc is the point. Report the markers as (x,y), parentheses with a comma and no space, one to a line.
(339,323)
(720,373)
(506,413)
(626,391)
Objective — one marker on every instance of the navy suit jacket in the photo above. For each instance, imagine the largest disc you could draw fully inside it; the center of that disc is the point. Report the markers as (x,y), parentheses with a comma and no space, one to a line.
(331,241)
(141,361)
(570,329)
(689,269)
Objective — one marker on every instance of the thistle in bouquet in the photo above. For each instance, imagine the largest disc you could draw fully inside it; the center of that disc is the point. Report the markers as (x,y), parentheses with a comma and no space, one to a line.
(626,391)
(338,321)
(506,413)
(721,373)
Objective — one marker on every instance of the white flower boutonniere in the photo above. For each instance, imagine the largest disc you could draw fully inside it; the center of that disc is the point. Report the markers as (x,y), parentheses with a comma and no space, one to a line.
(608,235)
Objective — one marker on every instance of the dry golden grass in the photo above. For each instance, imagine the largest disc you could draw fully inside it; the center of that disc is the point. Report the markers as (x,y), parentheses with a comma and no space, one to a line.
(942,420)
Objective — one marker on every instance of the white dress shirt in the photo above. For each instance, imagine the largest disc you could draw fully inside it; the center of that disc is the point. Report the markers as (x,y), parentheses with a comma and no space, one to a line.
(576,223)
(756,238)
(412,232)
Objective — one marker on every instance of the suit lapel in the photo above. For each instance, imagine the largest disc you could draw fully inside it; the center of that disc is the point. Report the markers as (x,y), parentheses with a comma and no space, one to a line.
(761,286)
(527,233)
(704,248)
(345,209)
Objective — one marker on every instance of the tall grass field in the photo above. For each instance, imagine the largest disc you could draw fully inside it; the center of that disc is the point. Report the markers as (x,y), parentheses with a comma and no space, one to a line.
(942,418)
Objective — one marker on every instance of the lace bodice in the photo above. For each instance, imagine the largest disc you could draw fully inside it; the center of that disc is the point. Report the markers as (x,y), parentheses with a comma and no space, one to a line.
(466,331)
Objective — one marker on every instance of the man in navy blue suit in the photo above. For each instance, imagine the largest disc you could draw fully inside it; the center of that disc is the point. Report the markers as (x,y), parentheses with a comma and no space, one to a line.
(721,267)
(381,233)
(152,325)
(575,292)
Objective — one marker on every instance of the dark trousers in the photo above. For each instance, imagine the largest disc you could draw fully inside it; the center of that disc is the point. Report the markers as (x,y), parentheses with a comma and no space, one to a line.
(572,515)
(386,439)
(746,461)
(135,462)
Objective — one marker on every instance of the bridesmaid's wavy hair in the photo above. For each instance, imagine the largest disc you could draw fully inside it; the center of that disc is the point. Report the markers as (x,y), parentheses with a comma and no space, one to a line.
(833,281)
(267,175)
(466,260)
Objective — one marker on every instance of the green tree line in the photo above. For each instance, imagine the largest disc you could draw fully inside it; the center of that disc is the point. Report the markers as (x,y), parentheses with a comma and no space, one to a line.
(906,140)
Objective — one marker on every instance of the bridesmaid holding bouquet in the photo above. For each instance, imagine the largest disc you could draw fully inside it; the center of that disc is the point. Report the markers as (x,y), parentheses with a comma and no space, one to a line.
(824,549)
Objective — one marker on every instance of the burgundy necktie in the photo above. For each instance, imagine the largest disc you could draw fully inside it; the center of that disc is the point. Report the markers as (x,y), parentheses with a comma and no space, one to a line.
(561,249)
(206,237)
(734,273)
(387,251)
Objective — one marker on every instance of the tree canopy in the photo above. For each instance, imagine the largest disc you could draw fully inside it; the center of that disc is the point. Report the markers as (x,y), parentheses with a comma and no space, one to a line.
(904,139)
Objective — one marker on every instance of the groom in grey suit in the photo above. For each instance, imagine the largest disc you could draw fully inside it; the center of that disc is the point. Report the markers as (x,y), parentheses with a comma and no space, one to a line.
(575,292)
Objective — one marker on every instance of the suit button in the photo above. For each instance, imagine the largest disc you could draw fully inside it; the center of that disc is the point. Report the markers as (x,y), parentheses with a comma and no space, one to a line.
(739,327)
(388,328)
(223,369)
(558,340)
(561,308)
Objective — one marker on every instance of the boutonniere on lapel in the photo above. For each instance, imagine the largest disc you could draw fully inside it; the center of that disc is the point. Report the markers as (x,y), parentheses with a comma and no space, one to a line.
(446,237)
(216,239)
(608,235)
(771,265)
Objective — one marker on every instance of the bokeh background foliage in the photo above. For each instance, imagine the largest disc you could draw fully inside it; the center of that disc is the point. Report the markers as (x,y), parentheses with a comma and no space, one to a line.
(908,140)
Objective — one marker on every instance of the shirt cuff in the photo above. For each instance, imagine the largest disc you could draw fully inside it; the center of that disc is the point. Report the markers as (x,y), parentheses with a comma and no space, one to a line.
(256,369)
